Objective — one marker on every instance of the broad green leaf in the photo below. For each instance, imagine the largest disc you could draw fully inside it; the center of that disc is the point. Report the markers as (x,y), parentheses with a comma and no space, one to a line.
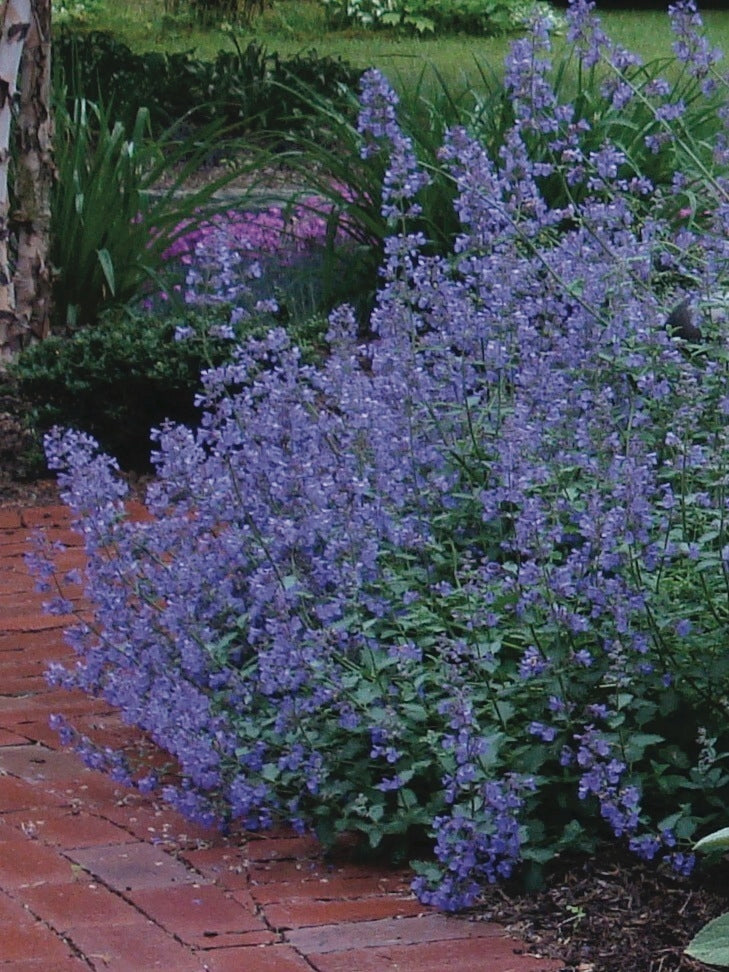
(639,742)
(711,945)
(407,799)
(716,841)
(415,712)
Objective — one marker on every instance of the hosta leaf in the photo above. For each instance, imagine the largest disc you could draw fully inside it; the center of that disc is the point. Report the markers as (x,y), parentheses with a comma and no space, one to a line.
(712,842)
(711,945)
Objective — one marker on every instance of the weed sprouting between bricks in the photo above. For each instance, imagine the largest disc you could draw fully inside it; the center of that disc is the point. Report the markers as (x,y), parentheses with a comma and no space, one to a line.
(477,592)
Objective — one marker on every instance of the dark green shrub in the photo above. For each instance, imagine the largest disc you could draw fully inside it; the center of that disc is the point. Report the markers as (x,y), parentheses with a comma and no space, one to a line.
(249,89)
(129,374)
(116,381)
(95,65)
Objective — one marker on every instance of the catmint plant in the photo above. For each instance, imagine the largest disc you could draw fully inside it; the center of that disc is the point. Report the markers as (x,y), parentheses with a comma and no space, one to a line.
(468,581)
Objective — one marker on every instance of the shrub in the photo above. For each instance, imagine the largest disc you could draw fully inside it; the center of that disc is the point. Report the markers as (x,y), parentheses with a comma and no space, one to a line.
(248,90)
(118,380)
(374,13)
(487,17)
(469,581)
(131,372)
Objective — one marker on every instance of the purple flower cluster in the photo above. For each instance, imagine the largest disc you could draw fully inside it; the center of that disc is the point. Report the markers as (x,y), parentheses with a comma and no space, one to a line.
(690,46)
(378,125)
(475,849)
(447,576)
(268,232)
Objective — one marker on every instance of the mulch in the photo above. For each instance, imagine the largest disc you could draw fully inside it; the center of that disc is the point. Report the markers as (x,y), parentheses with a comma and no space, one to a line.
(613,913)
(610,913)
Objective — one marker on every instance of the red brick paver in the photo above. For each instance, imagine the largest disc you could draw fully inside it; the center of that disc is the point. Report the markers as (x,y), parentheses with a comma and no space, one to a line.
(95,877)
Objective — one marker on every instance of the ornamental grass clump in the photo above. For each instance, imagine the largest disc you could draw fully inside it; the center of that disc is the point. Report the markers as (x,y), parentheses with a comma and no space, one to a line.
(117,207)
(467,583)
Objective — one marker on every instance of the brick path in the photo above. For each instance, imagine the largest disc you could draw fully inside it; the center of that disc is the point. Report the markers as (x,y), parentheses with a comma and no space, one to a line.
(97,877)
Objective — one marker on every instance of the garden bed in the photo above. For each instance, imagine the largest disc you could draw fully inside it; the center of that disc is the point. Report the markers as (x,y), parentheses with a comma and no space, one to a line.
(466,584)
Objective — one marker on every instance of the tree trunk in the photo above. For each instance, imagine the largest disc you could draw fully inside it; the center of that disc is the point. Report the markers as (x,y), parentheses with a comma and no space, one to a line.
(14,27)
(34,174)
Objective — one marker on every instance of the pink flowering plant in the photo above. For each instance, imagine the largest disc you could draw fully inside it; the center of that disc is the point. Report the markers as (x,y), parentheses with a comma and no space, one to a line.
(240,258)
(467,582)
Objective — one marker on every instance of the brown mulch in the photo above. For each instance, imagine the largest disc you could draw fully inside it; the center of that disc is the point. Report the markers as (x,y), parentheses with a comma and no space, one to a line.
(613,914)
(610,913)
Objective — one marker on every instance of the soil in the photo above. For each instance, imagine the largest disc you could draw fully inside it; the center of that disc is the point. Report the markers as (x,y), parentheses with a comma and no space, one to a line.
(607,914)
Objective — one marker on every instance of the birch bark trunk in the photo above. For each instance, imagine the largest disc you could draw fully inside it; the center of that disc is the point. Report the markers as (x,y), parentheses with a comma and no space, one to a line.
(33,179)
(15,20)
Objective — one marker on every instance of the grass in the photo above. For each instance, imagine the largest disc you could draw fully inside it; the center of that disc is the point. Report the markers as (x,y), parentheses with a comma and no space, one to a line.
(290,26)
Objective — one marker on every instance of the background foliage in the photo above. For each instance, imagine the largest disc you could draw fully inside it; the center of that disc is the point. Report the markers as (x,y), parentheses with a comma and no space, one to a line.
(486,17)
(247,90)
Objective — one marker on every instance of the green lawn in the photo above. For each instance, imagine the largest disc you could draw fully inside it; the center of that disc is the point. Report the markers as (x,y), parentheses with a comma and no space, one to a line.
(294,25)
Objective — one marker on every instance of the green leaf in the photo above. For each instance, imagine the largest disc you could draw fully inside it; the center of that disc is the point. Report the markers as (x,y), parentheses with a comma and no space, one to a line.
(107,266)
(639,742)
(407,799)
(716,841)
(669,823)
(570,835)
(504,710)
(415,712)
(538,854)
(711,945)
